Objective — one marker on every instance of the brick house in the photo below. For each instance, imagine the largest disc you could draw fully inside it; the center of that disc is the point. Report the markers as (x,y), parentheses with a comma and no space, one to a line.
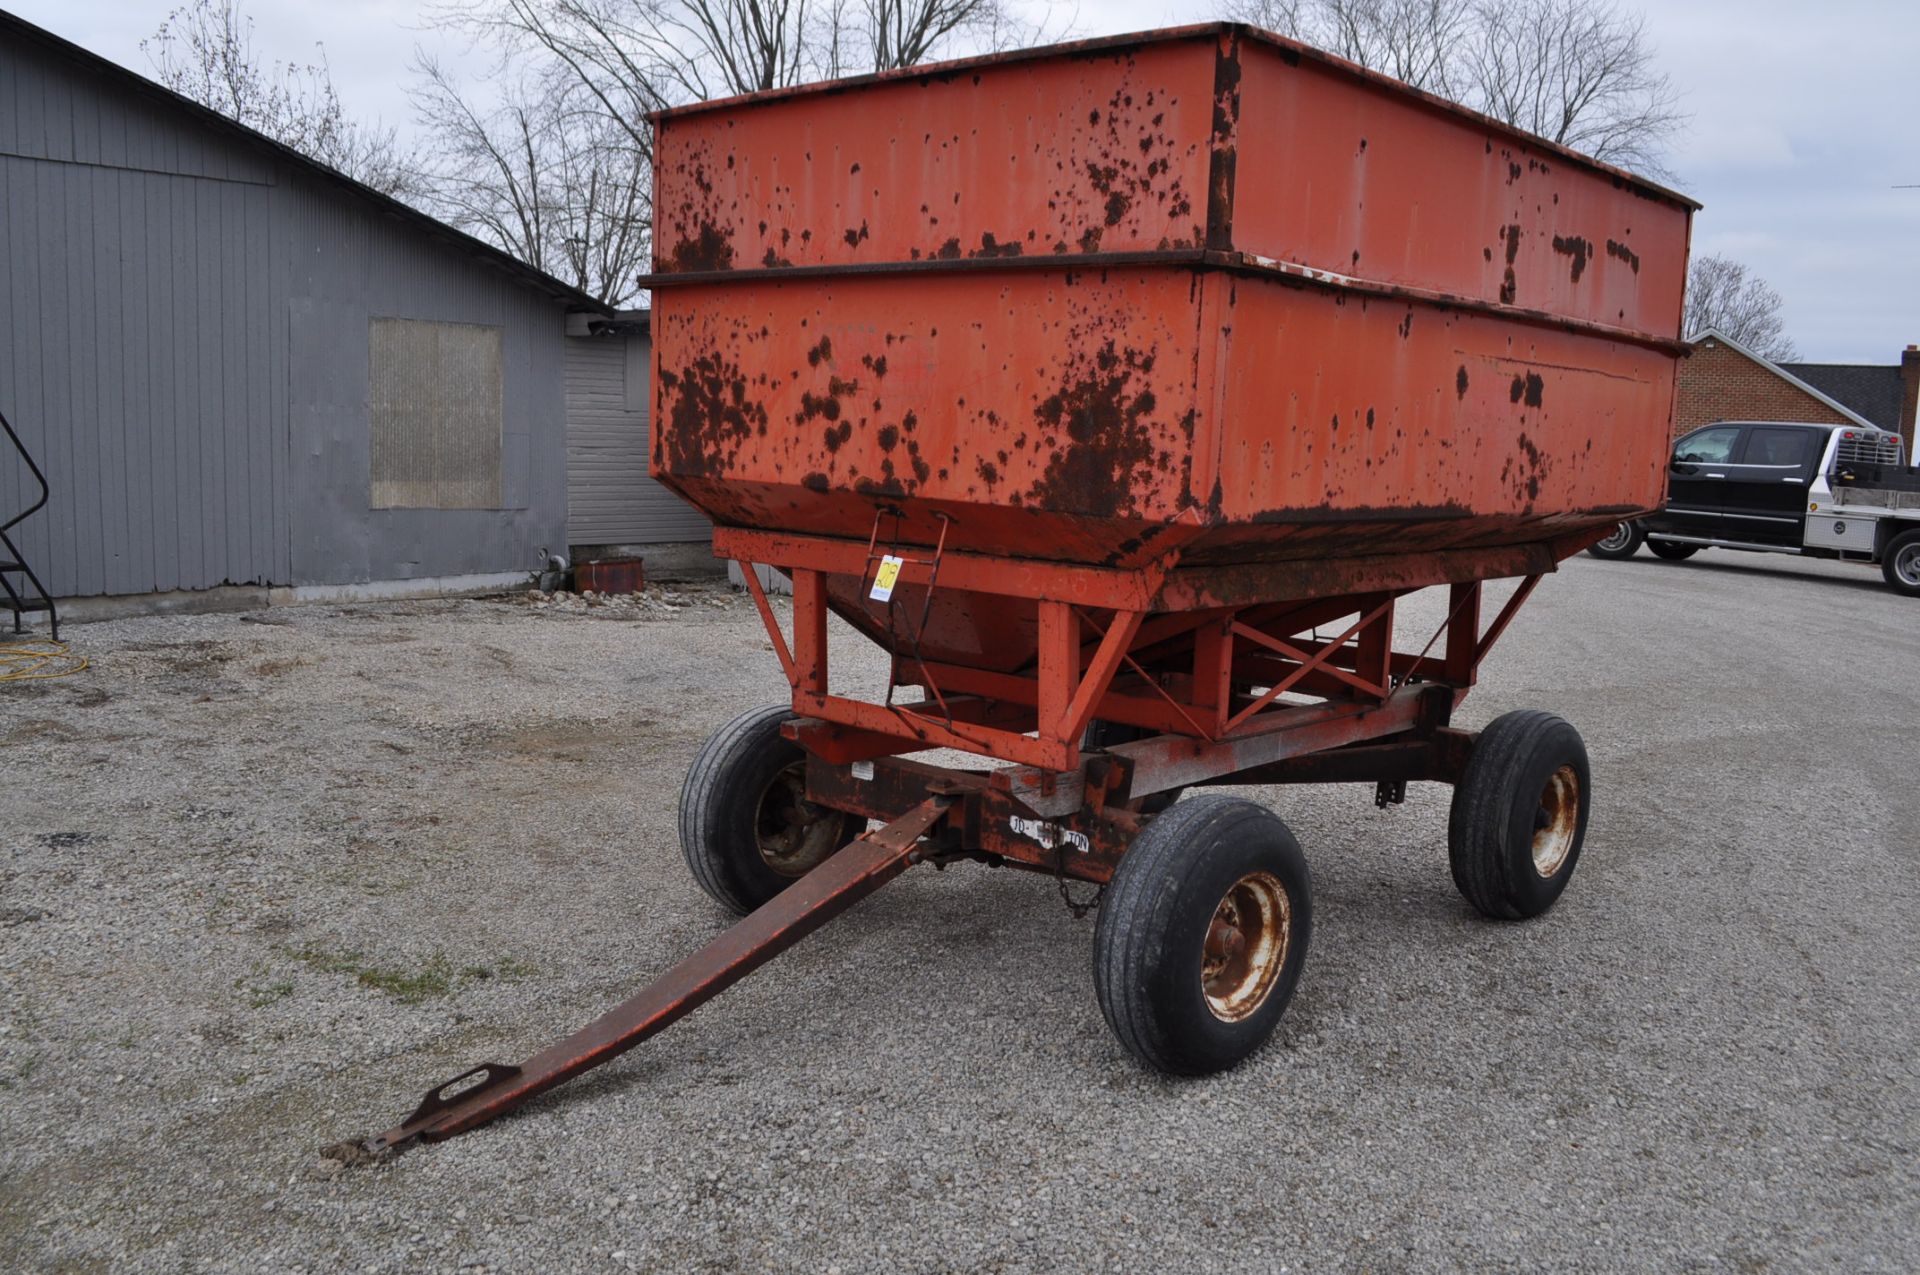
(1725,381)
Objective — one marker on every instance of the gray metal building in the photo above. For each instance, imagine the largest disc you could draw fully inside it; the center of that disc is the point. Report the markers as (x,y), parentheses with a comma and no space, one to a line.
(240,368)
(610,499)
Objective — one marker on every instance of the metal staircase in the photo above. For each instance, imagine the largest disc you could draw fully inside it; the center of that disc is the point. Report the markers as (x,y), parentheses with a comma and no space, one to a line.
(24,592)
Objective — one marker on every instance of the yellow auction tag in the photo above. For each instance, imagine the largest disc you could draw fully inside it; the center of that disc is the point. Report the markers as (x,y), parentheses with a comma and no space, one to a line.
(884,578)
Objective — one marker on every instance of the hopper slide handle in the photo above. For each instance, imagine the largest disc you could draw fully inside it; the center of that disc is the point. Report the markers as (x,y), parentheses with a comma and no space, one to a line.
(492,1089)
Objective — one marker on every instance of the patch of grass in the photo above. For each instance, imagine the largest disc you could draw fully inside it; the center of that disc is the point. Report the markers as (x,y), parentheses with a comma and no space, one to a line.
(505,968)
(25,1072)
(409,987)
(261,997)
(434,979)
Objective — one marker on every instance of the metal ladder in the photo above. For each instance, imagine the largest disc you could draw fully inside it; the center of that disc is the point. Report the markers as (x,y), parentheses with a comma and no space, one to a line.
(23,589)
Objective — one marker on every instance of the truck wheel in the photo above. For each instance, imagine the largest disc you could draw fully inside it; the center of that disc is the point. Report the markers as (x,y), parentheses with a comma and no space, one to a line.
(1901,565)
(746,828)
(1519,815)
(1671,550)
(1619,543)
(1202,936)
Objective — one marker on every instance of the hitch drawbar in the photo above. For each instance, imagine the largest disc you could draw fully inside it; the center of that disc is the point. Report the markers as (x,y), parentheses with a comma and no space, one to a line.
(493,1089)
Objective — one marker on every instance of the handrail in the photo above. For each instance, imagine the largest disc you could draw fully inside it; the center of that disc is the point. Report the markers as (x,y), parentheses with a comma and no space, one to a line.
(14,560)
(33,469)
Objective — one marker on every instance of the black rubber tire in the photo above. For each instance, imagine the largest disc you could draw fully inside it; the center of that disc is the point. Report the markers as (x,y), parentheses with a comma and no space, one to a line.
(1622,542)
(1150,941)
(1893,565)
(720,808)
(1497,805)
(1102,735)
(1672,550)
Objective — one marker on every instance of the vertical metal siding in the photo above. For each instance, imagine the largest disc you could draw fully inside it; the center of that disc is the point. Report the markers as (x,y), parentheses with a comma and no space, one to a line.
(610,498)
(125,368)
(346,267)
(184,346)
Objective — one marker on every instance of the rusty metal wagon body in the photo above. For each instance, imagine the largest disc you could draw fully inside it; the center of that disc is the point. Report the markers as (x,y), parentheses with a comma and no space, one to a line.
(1120,391)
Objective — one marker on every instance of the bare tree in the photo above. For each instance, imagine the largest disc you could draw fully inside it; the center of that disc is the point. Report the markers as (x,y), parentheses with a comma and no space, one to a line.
(1578,72)
(908,32)
(549,181)
(1723,296)
(559,171)
(204,51)
(1419,42)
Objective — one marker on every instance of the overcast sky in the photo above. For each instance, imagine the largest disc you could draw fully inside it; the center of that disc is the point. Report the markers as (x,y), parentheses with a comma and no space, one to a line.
(1805,116)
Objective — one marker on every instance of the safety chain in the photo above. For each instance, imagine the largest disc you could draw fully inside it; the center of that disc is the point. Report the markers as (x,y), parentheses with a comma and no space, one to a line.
(1075,906)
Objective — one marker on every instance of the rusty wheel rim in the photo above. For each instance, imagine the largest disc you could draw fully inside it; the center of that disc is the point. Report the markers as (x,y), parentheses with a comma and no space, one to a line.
(1246,946)
(794,835)
(1555,823)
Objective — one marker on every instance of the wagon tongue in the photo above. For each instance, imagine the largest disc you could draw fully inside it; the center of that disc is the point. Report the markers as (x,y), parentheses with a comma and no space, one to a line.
(492,1089)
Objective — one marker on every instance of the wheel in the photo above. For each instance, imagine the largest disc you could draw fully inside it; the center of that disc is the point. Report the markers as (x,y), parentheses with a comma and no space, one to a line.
(1619,543)
(1671,550)
(1519,814)
(746,827)
(1901,565)
(1202,935)
(1102,735)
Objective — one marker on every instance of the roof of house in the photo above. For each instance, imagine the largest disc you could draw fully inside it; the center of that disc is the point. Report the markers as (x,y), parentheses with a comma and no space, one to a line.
(12,28)
(1715,334)
(1871,389)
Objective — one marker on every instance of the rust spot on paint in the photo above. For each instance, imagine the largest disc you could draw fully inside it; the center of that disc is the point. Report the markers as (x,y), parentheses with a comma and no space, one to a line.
(712,418)
(1525,388)
(1223,159)
(1575,247)
(1460,382)
(1621,252)
(710,249)
(1106,454)
(812,405)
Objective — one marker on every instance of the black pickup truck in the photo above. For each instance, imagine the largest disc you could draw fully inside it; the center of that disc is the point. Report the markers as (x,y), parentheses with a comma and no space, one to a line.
(1818,491)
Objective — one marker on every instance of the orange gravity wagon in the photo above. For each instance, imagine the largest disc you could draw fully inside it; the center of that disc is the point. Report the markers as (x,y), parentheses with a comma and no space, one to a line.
(1121,390)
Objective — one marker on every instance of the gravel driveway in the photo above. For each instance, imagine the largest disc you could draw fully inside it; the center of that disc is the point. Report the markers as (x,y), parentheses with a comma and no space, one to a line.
(265,878)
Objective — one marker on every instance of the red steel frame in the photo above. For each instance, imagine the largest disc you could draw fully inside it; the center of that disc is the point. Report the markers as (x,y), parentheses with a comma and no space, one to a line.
(1242,690)
(1213,682)
(1207,680)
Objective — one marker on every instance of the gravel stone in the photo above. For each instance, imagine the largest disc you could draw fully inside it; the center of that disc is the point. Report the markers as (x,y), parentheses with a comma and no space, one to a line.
(265,883)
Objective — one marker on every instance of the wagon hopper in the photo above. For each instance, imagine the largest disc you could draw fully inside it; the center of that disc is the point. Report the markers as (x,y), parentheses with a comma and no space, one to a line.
(1121,390)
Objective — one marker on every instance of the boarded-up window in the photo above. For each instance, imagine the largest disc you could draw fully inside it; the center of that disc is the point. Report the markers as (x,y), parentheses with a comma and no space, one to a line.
(436,415)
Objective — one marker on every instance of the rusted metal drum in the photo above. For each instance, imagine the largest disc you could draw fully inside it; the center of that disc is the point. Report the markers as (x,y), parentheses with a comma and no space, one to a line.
(1202,292)
(610,575)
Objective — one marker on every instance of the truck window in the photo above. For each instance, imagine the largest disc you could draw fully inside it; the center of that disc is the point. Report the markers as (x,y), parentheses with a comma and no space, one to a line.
(1782,448)
(1708,446)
